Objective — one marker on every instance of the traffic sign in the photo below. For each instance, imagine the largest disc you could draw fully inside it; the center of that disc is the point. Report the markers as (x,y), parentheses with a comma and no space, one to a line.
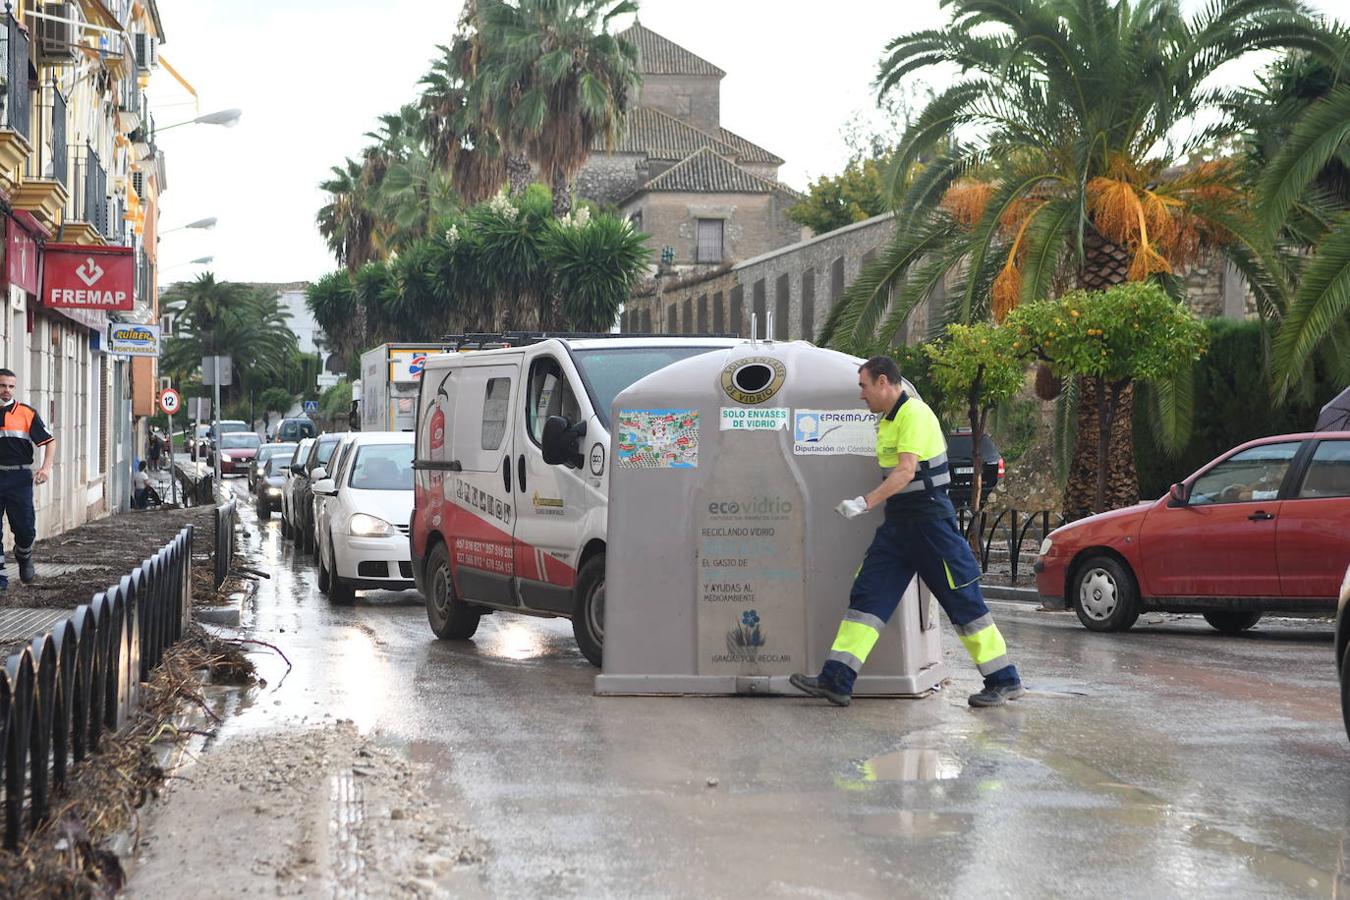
(311,406)
(169,401)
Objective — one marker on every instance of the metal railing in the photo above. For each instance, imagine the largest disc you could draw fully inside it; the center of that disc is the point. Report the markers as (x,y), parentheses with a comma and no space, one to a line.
(89,189)
(59,695)
(1007,532)
(50,158)
(227,516)
(14,50)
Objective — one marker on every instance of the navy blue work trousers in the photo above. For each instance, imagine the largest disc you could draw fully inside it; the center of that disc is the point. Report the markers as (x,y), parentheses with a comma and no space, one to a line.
(16,505)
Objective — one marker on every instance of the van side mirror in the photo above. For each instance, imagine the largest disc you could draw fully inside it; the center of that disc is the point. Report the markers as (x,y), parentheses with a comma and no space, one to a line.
(1179,495)
(561,443)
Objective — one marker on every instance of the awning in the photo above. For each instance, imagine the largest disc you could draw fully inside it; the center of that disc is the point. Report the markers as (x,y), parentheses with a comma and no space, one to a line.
(96,12)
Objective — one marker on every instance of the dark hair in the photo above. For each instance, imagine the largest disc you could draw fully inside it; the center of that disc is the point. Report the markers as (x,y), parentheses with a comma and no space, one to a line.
(9,372)
(878,366)
(141,467)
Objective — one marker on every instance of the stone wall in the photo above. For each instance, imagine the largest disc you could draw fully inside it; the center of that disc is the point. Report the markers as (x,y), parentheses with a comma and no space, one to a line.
(799,284)
(694,99)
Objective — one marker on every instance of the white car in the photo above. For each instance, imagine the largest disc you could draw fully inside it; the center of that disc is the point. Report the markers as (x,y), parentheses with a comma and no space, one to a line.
(363,538)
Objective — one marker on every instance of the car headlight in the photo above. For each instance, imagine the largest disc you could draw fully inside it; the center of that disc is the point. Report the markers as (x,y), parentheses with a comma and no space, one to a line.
(225,457)
(1045,546)
(274,491)
(368,526)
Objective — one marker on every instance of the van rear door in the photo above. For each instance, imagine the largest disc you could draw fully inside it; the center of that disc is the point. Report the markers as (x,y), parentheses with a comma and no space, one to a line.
(480,509)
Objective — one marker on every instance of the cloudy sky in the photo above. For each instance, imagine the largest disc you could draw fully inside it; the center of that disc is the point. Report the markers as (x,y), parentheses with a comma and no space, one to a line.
(312,75)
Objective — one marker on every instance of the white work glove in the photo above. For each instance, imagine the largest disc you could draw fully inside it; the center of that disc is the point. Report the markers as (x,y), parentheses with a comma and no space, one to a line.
(851,509)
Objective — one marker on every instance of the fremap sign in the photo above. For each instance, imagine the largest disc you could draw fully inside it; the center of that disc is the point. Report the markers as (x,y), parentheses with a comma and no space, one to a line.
(131,339)
(101,278)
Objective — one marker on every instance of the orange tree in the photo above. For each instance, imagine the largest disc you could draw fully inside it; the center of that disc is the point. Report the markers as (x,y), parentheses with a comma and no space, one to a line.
(1109,339)
(1077,127)
(975,367)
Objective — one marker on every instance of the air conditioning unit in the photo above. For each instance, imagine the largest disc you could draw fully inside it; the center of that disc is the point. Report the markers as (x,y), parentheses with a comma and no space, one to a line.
(138,184)
(147,52)
(57,40)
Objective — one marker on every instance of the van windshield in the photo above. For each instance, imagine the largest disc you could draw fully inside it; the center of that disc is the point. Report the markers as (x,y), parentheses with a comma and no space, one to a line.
(610,370)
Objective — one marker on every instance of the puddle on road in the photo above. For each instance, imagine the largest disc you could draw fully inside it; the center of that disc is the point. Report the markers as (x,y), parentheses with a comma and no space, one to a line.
(920,825)
(910,764)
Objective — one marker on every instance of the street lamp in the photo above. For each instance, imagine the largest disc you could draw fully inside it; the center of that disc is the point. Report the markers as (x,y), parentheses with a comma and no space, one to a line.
(205,224)
(227,118)
(199,261)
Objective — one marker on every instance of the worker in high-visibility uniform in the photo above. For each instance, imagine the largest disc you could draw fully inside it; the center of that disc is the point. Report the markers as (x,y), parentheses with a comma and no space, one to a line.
(919,536)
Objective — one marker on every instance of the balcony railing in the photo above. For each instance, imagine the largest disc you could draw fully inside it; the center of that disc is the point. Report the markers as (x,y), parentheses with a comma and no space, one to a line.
(88,189)
(51,158)
(14,50)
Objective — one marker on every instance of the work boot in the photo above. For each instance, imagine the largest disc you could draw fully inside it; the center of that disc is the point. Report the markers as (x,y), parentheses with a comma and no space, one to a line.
(4,583)
(997,694)
(811,684)
(26,571)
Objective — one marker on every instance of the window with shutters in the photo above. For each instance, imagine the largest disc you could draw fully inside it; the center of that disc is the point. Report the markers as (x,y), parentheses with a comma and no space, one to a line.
(710,240)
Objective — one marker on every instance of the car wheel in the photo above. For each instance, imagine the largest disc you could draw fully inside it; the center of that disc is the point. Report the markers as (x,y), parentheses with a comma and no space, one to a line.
(285,525)
(1232,622)
(341,591)
(325,577)
(588,613)
(450,617)
(1104,594)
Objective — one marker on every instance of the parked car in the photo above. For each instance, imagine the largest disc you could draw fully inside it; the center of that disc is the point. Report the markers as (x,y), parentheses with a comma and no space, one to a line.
(270,481)
(511,502)
(198,437)
(224,426)
(291,430)
(1263,528)
(266,452)
(335,462)
(363,524)
(960,463)
(294,474)
(300,486)
(1343,648)
(236,449)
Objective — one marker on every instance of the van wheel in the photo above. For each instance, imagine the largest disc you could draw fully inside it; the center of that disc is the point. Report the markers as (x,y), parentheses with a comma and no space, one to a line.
(588,615)
(285,525)
(1232,622)
(1104,594)
(450,617)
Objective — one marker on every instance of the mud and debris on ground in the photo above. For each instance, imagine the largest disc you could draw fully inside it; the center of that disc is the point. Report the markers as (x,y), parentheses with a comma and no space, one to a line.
(97,816)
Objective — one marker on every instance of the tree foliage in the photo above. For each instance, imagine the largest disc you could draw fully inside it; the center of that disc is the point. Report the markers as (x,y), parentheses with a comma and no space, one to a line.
(855,194)
(1111,338)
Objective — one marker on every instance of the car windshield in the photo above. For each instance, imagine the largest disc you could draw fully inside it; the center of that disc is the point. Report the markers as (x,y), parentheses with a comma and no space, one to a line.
(277,465)
(958,447)
(203,430)
(611,370)
(270,450)
(383,467)
(301,452)
(227,427)
(239,440)
(326,449)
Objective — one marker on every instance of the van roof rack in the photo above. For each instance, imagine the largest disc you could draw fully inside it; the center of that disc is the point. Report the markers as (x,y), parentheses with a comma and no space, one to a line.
(500,339)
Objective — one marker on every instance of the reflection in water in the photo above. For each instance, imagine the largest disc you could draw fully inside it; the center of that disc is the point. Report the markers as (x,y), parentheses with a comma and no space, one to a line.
(513,640)
(918,825)
(910,764)
(362,678)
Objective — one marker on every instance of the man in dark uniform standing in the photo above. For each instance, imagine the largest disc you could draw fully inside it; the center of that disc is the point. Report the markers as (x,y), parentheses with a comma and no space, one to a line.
(918,537)
(21,429)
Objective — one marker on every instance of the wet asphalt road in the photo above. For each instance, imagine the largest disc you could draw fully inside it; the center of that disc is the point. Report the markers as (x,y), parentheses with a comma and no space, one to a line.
(1167,761)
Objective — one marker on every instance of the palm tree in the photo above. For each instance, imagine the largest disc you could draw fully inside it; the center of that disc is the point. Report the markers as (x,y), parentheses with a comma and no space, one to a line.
(347,221)
(1076,170)
(458,140)
(552,79)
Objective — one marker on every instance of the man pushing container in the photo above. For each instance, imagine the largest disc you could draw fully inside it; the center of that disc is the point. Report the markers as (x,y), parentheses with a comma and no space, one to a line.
(919,536)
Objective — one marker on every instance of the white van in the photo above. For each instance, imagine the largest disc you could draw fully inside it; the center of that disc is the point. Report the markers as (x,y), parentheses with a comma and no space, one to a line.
(512,477)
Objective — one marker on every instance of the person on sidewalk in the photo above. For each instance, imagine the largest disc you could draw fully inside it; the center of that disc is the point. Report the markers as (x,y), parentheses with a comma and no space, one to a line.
(919,536)
(155,449)
(21,429)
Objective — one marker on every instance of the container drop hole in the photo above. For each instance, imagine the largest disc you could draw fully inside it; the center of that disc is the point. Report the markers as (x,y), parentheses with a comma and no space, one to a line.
(752,378)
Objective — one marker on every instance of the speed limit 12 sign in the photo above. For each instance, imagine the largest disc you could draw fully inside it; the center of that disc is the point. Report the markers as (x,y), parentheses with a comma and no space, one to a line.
(169,401)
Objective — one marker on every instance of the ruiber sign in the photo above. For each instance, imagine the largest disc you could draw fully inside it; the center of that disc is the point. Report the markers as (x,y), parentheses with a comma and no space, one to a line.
(75,277)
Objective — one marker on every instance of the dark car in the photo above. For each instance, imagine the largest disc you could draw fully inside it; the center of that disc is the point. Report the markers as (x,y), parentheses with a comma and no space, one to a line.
(271,479)
(962,468)
(302,506)
(292,430)
(266,452)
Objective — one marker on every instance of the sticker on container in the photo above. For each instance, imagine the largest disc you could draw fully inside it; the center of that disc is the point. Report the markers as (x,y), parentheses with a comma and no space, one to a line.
(834,432)
(656,439)
(753,379)
(754,418)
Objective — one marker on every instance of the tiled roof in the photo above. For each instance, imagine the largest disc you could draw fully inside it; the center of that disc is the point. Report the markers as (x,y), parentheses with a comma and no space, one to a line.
(746,151)
(661,56)
(660,136)
(705,172)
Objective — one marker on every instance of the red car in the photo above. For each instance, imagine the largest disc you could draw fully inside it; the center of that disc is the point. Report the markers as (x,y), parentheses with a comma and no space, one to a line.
(1263,528)
(237,449)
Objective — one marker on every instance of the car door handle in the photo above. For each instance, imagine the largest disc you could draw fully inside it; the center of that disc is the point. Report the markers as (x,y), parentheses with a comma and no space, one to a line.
(1260,516)
(520,472)
(506,473)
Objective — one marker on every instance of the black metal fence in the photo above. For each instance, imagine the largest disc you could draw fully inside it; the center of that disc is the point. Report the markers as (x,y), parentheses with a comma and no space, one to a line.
(227,516)
(59,695)
(1010,537)
(15,65)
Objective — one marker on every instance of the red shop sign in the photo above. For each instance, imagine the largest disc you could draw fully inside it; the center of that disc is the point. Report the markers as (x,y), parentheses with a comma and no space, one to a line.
(21,258)
(75,277)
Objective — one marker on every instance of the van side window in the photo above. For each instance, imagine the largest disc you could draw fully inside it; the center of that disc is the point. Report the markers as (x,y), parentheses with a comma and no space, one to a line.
(549,394)
(496,408)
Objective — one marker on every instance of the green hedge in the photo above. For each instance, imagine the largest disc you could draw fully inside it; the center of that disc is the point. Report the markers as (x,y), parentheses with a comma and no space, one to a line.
(1232,405)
